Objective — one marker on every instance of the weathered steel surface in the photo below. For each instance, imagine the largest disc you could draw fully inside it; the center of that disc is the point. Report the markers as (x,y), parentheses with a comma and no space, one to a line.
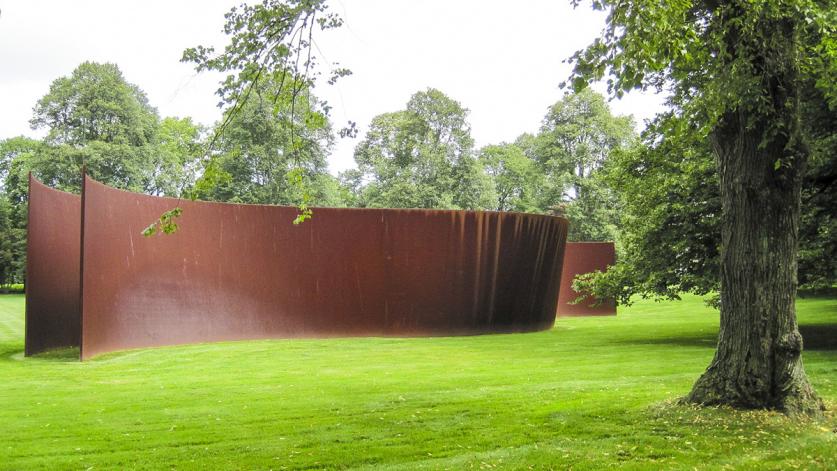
(244,272)
(53,313)
(580,258)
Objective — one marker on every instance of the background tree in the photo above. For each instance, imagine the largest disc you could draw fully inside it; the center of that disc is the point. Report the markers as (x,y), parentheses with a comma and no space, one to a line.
(256,155)
(176,157)
(7,252)
(95,118)
(578,136)
(95,103)
(16,155)
(515,177)
(421,157)
(818,223)
(736,70)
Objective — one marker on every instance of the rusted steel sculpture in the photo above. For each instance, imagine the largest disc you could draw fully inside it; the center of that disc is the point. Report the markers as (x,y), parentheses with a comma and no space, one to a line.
(580,258)
(53,312)
(245,272)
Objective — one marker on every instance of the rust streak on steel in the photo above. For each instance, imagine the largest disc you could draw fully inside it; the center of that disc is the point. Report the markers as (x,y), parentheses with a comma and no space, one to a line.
(580,258)
(234,272)
(53,313)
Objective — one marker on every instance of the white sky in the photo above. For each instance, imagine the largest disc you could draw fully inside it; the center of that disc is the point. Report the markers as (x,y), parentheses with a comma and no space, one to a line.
(500,59)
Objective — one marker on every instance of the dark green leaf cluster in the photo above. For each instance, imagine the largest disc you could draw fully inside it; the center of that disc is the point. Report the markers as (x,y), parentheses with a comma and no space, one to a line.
(707,52)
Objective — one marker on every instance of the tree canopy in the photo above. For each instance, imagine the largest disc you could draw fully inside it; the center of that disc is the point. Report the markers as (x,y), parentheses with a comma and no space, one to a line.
(95,119)
(420,157)
(256,156)
(95,103)
(578,137)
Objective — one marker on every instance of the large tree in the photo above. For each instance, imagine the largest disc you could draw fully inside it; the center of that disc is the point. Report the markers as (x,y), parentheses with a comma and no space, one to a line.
(671,209)
(96,119)
(736,70)
(420,157)
(95,103)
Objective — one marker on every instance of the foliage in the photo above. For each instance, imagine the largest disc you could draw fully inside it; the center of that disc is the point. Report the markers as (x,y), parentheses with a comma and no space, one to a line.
(176,157)
(97,120)
(7,255)
(670,212)
(818,225)
(558,170)
(578,136)
(272,151)
(270,42)
(270,53)
(15,156)
(669,190)
(420,157)
(95,104)
(685,47)
(671,208)
(165,224)
(515,176)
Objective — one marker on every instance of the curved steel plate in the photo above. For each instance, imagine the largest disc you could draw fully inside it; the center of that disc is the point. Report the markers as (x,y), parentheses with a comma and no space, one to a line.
(580,258)
(53,313)
(244,272)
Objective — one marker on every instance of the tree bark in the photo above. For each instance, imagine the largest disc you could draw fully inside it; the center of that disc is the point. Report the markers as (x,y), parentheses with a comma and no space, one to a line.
(758,362)
(761,156)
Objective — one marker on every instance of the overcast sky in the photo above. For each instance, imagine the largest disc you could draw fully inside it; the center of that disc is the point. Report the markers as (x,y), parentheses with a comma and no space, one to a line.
(500,59)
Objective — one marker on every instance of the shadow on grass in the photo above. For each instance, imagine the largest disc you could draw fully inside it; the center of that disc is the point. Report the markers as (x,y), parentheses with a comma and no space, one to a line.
(815,336)
(684,340)
(819,336)
(61,355)
(830,292)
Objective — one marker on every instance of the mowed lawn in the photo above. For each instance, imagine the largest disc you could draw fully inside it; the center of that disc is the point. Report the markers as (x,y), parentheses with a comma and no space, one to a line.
(592,393)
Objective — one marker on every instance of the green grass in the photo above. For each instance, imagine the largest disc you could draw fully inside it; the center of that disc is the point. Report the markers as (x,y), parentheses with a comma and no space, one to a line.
(592,393)
(11,288)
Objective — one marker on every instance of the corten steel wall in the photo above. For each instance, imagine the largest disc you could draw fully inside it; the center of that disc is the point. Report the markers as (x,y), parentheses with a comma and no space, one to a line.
(579,258)
(244,271)
(53,312)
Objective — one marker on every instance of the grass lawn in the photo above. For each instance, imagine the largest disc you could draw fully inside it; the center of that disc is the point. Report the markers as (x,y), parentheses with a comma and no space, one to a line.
(592,393)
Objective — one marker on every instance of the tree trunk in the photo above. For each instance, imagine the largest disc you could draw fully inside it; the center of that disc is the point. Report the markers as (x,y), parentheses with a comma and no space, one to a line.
(758,362)
(761,155)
